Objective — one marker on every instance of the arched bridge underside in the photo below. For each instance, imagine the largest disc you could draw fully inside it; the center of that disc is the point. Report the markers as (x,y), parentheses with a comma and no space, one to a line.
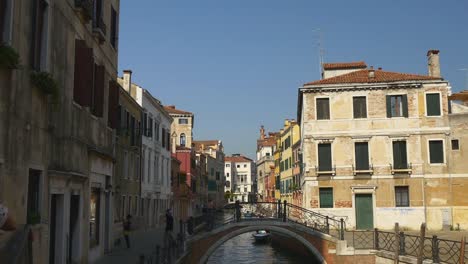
(322,246)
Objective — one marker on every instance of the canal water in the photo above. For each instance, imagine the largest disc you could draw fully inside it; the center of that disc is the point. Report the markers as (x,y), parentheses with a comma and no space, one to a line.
(242,249)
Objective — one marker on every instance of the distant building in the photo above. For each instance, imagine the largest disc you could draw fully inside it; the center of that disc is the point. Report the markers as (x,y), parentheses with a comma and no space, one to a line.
(377,147)
(182,126)
(265,149)
(289,136)
(214,153)
(243,177)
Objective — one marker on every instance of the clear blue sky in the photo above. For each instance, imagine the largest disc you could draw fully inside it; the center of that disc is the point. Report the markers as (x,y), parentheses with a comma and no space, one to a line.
(238,64)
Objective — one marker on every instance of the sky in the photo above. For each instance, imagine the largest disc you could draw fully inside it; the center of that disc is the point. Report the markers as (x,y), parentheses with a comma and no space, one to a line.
(238,64)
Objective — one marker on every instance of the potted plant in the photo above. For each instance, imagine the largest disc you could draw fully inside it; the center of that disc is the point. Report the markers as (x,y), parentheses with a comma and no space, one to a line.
(9,58)
(34,218)
(46,83)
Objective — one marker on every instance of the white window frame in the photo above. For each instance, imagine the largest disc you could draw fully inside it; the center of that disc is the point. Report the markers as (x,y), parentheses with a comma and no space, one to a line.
(396,94)
(329,108)
(367,107)
(440,103)
(429,154)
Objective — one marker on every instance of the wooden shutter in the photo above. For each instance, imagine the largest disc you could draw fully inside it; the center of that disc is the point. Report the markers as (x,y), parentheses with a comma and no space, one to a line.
(98,91)
(114,114)
(84,74)
(389,106)
(436,151)
(361,153)
(433,104)
(326,197)
(145,123)
(399,155)
(163,138)
(323,109)
(325,161)
(2,18)
(359,107)
(404,99)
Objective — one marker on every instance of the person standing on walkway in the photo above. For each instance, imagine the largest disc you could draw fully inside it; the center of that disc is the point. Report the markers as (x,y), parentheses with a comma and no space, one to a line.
(169,221)
(126,229)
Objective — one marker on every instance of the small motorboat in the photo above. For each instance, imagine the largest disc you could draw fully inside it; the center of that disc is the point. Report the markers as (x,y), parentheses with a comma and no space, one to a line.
(261,236)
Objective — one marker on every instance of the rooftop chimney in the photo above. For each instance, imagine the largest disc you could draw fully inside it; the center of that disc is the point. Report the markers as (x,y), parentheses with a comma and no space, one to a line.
(171,106)
(262,132)
(372,72)
(127,80)
(433,63)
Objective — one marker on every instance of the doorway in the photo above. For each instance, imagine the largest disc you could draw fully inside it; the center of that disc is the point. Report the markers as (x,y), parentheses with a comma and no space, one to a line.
(56,229)
(364,211)
(74,240)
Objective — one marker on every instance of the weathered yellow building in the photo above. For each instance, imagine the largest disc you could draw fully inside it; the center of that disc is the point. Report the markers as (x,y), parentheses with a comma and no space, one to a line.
(289,135)
(377,148)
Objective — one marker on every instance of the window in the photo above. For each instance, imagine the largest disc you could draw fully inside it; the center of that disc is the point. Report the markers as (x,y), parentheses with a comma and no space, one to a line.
(359,107)
(455,144)
(361,155)
(132,131)
(212,172)
(245,165)
(218,176)
(94,216)
(183,121)
(401,196)
(228,165)
(397,105)
(245,189)
(182,140)
(238,166)
(323,108)
(400,160)
(125,165)
(156,129)
(436,151)
(145,124)
(324,157)
(326,197)
(34,197)
(40,35)
(227,174)
(163,132)
(433,104)
(114,28)
(6,8)
(149,131)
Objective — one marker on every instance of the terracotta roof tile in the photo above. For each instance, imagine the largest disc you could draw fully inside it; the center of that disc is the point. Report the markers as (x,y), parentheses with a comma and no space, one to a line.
(172,110)
(237,159)
(344,65)
(362,76)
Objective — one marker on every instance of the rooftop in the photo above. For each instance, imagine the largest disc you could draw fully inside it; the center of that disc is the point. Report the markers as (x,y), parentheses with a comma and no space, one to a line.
(171,109)
(236,158)
(344,65)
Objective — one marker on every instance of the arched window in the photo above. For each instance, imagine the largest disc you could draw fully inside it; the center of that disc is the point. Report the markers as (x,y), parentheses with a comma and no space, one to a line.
(182,140)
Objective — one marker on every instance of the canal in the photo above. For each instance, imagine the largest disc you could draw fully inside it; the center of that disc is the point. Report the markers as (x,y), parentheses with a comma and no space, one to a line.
(244,249)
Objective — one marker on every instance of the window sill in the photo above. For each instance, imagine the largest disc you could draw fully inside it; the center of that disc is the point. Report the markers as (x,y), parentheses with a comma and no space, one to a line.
(438,164)
(396,171)
(370,172)
(333,173)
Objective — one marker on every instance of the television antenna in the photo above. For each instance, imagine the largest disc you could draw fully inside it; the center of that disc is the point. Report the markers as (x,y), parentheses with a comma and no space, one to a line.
(321,50)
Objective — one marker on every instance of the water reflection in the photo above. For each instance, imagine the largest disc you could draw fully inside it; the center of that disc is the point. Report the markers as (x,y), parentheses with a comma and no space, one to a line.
(243,249)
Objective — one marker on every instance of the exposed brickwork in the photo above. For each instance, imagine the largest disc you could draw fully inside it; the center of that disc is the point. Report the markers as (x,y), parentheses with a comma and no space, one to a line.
(314,203)
(343,204)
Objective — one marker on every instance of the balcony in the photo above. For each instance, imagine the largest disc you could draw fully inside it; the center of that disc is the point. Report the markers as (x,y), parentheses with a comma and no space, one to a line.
(99,29)
(363,171)
(84,9)
(325,171)
(401,168)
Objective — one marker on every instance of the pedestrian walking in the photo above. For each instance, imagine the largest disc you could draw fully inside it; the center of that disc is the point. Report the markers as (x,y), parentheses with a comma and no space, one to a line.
(126,230)
(169,227)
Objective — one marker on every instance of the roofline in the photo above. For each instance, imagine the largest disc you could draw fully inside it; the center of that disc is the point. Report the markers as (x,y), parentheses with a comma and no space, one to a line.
(156,103)
(346,85)
(133,101)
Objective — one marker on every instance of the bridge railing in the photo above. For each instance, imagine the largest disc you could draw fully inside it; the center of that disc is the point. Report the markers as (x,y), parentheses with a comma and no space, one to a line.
(283,211)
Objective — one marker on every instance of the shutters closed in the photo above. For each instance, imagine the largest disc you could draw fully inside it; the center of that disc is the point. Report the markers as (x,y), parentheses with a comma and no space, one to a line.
(361,153)
(323,109)
(98,98)
(326,197)
(405,105)
(359,107)
(433,104)
(84,74)
(145,124)
(325,159)
(114,113)
(389,106)
(400,160)
(436,151)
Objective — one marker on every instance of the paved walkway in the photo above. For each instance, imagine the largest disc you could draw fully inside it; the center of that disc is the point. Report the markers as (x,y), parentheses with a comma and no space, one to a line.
(141,242)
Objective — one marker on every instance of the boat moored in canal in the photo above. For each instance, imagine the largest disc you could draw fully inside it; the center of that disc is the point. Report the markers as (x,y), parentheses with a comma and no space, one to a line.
(261,236)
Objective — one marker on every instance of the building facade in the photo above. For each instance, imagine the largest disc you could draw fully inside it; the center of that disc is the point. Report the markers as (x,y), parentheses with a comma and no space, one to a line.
(214,154)
(156,194)
(182,126)
(288,136)
(265,148)
(376,147)
(243,177)
(56,141)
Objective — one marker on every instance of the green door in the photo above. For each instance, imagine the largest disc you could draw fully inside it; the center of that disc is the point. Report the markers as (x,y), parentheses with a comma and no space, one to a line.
(364,211)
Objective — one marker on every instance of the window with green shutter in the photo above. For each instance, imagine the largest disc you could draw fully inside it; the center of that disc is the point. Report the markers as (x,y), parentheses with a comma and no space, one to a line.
(361,154)
(323,108)
(433,104)
(326,197)
(324,157)
(436,151)
(400,161)
(359,107)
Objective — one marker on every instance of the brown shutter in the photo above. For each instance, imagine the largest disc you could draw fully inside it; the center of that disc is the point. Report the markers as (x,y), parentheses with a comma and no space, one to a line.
(98,91)
(84,74)
(113,105)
